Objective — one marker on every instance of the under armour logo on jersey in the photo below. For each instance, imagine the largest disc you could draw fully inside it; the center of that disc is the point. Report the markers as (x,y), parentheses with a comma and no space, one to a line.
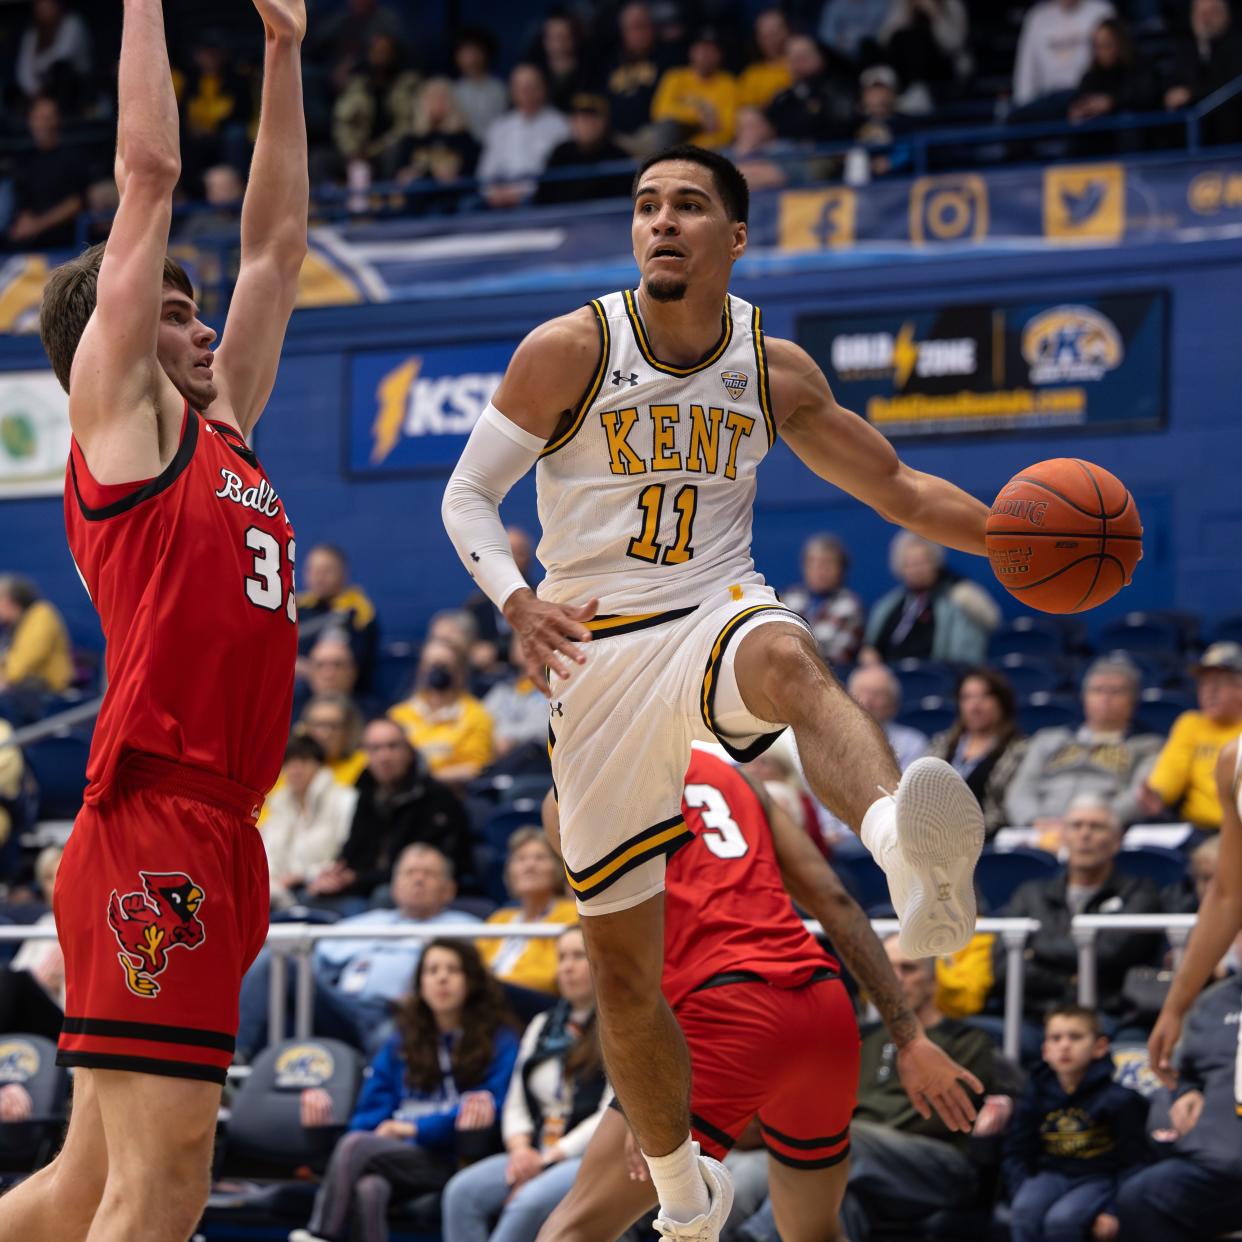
(474,556)
(618,378)
(556,709)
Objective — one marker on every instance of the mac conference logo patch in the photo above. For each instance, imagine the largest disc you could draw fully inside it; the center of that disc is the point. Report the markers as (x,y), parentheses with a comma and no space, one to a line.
(735,382)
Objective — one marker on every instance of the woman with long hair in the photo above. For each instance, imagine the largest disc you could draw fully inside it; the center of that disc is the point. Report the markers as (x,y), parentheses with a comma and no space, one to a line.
(984,743)
(556,1099)
(440,1079)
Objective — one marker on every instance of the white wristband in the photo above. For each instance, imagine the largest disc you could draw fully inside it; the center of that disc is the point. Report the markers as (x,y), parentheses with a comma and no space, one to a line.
(497,454)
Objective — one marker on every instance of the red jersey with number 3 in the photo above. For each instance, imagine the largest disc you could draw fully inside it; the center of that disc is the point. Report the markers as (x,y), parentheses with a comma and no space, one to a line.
(725,904)
(191,573)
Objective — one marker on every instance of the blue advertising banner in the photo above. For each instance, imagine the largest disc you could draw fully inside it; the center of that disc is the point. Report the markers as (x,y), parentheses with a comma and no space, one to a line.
(1096,363)
(410,411)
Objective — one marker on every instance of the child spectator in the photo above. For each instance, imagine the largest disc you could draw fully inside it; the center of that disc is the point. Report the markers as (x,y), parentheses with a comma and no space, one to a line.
(556,1099)
(439,1082)
(1074,1137)
(700,96)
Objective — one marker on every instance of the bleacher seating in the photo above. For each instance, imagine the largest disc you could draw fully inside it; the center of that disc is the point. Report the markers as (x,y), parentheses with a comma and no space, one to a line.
(1143,631)
(1048,711)
(921,679)
(1158,709)
(1000,873)
(1163,866)
(930,715)
(59,768)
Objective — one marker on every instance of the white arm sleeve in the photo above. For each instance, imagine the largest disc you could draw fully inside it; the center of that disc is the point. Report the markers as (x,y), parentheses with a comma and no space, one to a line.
(498,453)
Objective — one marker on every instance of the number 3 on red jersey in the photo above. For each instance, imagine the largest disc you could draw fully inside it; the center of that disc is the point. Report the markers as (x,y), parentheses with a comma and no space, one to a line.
(721,833)
(265,588)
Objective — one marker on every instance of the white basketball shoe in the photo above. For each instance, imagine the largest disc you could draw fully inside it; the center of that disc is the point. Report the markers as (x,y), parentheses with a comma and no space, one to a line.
(705,1228)
(930,859)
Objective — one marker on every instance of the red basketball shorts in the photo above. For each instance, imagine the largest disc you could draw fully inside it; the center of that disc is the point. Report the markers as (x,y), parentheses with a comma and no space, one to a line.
(161,905)
(790,1056)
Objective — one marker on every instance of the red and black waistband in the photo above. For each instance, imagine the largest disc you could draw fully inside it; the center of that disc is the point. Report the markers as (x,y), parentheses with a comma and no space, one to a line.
(139,770)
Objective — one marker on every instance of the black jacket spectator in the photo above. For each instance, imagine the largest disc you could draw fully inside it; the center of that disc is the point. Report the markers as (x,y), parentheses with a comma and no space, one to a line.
(1052,956)
(591,144)
(49,184)
(1208,56)
(632,79)
(819,106)
(415,809)
(1118,79)
(331,600)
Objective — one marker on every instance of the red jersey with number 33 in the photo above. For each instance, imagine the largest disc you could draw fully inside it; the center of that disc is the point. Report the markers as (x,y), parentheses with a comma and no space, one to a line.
(192,576)
(725,904)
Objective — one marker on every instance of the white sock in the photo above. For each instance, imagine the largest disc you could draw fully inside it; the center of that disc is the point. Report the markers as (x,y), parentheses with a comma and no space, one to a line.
(879,827)
(679,1184)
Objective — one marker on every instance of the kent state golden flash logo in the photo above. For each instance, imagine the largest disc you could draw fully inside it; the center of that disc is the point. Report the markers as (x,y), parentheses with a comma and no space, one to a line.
(149,924)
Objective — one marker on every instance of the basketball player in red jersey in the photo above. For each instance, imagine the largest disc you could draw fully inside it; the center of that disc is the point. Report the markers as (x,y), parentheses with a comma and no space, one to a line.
(162,898)
(770,1027)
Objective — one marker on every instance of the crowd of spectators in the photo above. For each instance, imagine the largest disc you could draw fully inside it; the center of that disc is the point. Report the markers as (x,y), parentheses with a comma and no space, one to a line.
(458,122)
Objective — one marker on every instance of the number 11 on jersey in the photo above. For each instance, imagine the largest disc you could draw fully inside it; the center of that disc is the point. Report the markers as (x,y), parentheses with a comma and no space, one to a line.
(651,504)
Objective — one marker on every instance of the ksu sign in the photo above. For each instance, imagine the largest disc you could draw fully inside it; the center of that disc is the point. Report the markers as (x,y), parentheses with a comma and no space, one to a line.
(412,410)
(1097,363)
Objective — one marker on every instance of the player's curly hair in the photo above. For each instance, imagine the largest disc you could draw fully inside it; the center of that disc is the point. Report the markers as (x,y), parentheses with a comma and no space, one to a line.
(483,1015)
(69,301)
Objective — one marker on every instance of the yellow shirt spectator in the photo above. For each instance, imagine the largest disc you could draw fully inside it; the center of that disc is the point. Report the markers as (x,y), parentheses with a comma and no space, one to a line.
(762,82)
(527,963)
(964,979)
(1185,773)
(39,651)
(700,95)
(456,739)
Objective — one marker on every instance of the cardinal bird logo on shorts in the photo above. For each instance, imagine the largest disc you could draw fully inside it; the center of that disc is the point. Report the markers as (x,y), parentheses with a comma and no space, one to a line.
(151,923)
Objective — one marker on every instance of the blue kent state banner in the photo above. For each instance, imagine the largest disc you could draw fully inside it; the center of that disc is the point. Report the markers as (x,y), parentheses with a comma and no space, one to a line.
(412,410)
(1097,363)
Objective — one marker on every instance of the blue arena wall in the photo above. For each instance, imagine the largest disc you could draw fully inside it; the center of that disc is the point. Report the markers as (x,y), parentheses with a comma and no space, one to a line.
(1184,476)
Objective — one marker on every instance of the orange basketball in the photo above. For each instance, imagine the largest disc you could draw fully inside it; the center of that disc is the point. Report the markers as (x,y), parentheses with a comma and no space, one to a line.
(1064,535)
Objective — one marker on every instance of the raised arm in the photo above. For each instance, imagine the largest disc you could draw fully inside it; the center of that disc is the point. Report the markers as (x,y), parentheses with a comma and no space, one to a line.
(117,387)
(273,225)
(849,452)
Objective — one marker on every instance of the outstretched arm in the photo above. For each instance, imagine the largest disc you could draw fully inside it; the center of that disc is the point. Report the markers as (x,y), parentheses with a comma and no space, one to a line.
(273,224)
(117,386)
(848,451)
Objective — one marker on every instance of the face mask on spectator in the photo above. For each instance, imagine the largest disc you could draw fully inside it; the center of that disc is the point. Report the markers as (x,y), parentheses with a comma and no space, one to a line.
(439,677)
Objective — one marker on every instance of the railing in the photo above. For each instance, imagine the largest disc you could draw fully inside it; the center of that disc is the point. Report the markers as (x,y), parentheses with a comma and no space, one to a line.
(1086,927)
(298,940)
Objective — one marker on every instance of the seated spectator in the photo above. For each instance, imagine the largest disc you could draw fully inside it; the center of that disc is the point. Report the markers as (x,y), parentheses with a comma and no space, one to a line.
(1208,57)
(1103,756)
(927,43)
(359,983)
(440,149)
(333,721)
(1054,50)
(1184,778)
(14,788)
(32,990)
(934,614)
(768,74)
(755,150)
(632,82)
(518,708)
(399,804)
(852,26)
(535,880)
(439,1080)
(491,628)
(1117,80)
(329,594)
(1075,1135)
(340,36)
(779,772)
(1194,1191)
(480,95)
(48,183)
(54,55)
(984,744)
(819,104)
(834,612)
(1090,884)
(450,727)
(875,688)
(517,145)
(331,670)
(559,57)
(701,96)
(217,103)
(964,978)
(556,1099)
(223,189)
(36,659)
(879,121)
(306,821)
(590,143)
(904,1166)
(1187,896)
(373,114)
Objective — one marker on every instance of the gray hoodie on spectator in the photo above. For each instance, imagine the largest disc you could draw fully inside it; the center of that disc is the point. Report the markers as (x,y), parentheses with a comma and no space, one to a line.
(1061,763)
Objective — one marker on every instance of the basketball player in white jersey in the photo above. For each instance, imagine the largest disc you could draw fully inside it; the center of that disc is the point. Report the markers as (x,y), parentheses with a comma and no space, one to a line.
(647,414)
(1220,920)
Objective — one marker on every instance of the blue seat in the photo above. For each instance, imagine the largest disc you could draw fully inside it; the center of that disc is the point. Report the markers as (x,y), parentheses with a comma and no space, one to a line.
(1048,711)
(1037,634)
(863,879)
(921,679)
(998,875)
(1163,866)
(59,767)
(503,824)
(394,670)
(1146,631)
(1158,709)
(931,715)
(1033,674)
(1159,669)
(1228,630)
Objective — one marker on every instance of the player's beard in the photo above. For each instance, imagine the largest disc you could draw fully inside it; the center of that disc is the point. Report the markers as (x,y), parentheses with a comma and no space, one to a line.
(666,288)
